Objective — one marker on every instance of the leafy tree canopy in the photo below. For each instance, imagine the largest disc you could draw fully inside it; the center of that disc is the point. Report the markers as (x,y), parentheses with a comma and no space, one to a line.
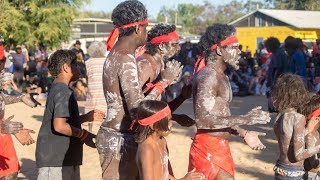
(35,21)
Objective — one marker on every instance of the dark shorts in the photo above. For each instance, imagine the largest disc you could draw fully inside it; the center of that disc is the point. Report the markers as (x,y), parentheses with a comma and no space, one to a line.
(287,172)
(117,152)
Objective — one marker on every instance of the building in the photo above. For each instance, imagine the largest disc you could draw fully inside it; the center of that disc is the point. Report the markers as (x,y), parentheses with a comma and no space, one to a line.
(96,27)
(88,30)
(257,26)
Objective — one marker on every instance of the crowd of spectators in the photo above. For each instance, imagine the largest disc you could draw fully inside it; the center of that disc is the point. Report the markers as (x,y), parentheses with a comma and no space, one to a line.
(258,72)
(27,71)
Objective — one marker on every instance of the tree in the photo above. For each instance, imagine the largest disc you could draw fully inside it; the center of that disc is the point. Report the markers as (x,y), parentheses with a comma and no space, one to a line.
(166,15)
(195,18)
(312,5)
(35,21)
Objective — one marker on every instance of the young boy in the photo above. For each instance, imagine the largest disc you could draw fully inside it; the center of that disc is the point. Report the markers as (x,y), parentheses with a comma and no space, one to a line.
(288,94)
(60,139)
(152,156)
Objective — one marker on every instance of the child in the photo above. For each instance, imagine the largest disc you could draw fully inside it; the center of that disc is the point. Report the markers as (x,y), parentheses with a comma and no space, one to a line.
(60,139)
(153,124)
(32,85)
(288,94)
(311,109)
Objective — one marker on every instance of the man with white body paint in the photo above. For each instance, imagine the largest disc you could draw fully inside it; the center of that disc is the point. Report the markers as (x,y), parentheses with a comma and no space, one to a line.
(122,90)
(210,152)
(162,45)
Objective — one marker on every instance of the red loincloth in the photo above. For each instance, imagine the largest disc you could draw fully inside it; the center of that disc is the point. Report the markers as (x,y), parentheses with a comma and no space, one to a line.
(209,154)
(8,158)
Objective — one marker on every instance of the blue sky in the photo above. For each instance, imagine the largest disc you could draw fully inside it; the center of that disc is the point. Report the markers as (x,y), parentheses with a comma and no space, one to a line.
(153,6)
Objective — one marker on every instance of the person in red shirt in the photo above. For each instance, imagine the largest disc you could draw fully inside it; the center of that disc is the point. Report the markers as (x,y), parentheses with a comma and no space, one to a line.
(2,56)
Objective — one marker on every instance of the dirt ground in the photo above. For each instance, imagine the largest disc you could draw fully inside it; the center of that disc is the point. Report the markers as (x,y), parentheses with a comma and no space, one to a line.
(250,164)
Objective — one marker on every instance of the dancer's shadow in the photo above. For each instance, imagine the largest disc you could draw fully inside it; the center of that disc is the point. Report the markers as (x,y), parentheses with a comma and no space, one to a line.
(28,169)
(37,117)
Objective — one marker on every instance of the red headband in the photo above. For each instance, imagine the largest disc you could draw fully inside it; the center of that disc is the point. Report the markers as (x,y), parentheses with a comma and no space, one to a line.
(314,114)
(153,118)
(201,63)
(173,36)
(230,40)
(114,34)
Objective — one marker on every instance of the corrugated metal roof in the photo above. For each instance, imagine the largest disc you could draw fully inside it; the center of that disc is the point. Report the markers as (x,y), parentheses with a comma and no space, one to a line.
(297,18)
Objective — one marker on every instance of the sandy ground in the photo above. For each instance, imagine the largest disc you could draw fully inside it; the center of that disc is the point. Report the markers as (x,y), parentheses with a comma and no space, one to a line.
(250,164)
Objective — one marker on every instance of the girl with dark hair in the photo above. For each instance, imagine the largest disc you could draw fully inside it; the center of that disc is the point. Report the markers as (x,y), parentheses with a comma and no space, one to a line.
(287,95)
(153,124)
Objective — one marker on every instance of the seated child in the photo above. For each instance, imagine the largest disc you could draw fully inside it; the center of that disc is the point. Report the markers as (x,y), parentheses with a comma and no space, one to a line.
(153,124)
(8,86)
(32,85)
(311,109)
(287,95)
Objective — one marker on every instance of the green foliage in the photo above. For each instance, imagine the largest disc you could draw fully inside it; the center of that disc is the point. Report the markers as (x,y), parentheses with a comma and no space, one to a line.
(35,21)
(312,5)
(195,18)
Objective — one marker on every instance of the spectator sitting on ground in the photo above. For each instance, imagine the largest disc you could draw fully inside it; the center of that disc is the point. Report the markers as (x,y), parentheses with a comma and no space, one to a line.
(31,66)
(188,52)
(7,84)
(316,49)
(256,84)
(32,85)
(237,82)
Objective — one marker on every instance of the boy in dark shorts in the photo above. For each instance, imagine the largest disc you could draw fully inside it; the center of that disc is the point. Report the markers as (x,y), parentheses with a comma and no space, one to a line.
(60,139)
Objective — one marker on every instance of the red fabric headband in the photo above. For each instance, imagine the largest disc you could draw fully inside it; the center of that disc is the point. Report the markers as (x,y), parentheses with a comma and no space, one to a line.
(173,36)
(230,40)
(314,114)
(153,118)
(114,34)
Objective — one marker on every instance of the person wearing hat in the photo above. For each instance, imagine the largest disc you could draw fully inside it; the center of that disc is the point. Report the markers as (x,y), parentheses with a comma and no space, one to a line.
(80,58)
(19,61)
(25,51)
(77,49)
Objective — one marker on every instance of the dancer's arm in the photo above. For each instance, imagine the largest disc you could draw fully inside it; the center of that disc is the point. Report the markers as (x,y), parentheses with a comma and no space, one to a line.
(207,102)
(145,72)
(26,99)
(94,115)
(8,99)
(61,113)
(186,93)
(300,153)
(131,87)
(250,137)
